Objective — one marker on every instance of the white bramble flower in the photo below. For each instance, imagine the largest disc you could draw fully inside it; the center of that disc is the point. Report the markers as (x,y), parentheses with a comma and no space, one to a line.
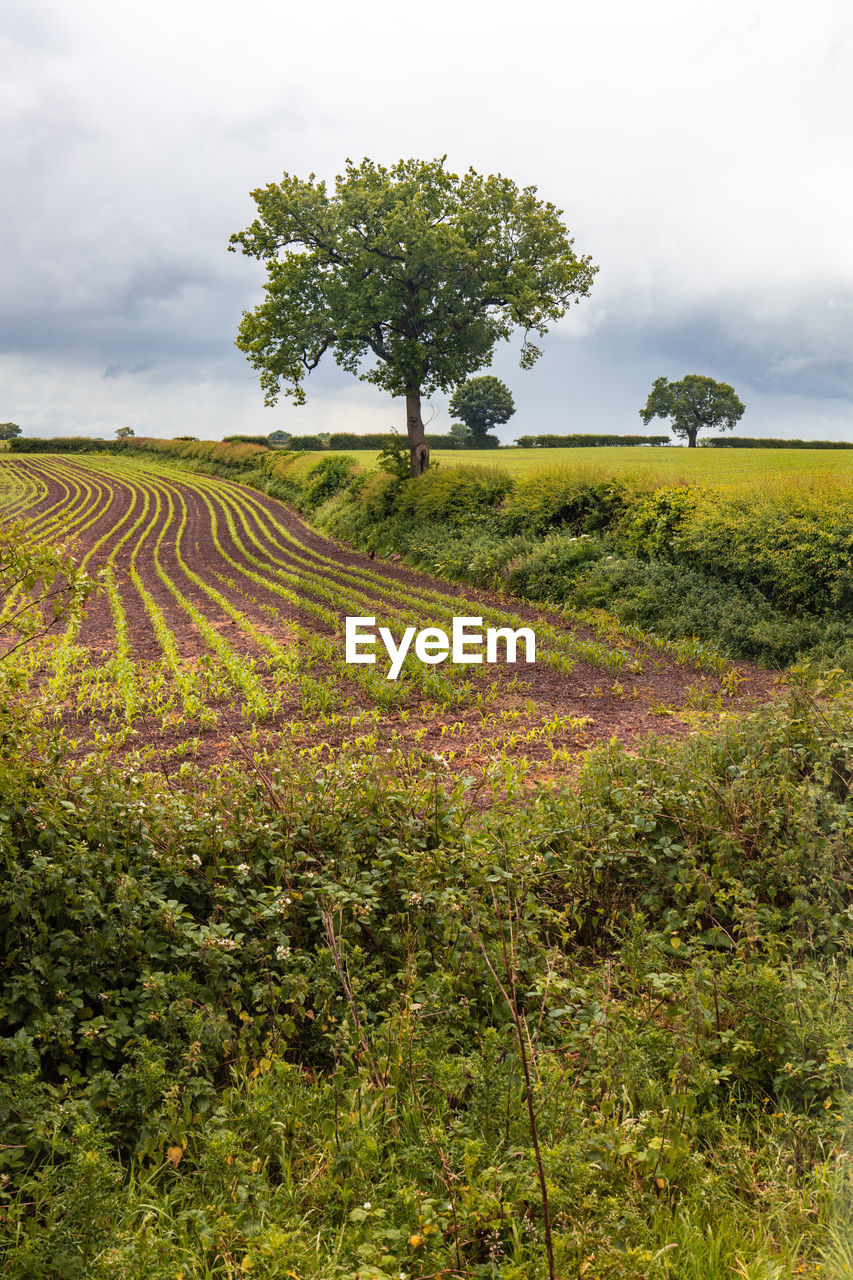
(227,944)
(282,952)
(196,860)
(243,868)
(366,1205)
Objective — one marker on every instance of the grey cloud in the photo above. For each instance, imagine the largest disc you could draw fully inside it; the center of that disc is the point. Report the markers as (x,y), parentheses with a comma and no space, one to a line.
(129,149)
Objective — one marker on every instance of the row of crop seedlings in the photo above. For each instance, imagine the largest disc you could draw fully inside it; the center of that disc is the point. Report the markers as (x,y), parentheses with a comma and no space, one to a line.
(73,511)
(318,695)
(114,685)
(27,489)
(190,685)
(193,686)
(172,691)
(73,672)
(310,562)
(340,588)
(238,669)
(343,588)
(20,490)
(328,601)
(288,664)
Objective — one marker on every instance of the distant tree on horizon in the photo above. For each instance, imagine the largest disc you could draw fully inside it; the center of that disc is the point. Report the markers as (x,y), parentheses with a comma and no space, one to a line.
(8,430)
(482,403)
(695,403)
(124,433)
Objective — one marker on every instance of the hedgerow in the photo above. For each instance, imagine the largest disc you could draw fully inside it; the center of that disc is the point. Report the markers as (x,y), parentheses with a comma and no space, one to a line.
(767,578)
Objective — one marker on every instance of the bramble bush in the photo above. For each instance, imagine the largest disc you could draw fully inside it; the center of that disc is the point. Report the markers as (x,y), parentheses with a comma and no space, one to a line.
(269,1010)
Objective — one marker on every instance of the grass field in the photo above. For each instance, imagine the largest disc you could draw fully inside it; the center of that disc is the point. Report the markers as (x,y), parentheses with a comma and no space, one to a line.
(664,465)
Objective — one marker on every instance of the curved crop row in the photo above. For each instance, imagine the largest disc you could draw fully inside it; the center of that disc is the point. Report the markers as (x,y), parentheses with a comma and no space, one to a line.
(218,608)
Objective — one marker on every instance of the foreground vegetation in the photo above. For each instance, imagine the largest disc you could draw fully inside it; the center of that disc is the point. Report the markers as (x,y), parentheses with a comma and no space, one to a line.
(337,1025)
(323,1014)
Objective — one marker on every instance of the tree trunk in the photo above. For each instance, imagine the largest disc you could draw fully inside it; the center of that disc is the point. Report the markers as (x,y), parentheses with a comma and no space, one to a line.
(418,451)
(692,433)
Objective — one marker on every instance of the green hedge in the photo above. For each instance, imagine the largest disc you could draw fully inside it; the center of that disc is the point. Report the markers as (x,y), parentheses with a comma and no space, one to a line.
(586,441)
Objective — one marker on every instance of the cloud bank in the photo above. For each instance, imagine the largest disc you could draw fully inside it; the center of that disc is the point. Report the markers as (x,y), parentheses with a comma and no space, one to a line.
(700,157)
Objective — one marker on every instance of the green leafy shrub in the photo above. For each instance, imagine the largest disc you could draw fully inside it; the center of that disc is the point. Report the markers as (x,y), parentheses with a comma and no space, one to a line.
(551,500)
(460,494)
(798,550)
(342,1091)
(676,600)
(652,530)
(326,478)
(550,569)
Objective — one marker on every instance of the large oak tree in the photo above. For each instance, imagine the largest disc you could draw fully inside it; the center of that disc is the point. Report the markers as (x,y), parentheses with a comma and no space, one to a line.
(482,403)
(408,276)
(693,404)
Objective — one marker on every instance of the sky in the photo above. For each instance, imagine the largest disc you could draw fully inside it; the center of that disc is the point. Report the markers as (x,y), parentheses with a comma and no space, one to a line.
(700,154)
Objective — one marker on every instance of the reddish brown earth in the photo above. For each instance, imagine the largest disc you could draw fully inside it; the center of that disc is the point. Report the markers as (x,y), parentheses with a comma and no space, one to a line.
(666,698)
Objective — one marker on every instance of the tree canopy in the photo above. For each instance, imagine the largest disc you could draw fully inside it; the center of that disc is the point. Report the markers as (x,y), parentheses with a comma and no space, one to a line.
(8,430)
(482,403)
(693,404)
(408,275)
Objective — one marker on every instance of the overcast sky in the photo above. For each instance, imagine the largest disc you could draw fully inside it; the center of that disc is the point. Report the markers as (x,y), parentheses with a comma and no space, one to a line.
(701,155)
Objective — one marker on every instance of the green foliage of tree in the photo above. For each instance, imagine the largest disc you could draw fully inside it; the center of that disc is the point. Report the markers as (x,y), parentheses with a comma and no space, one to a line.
(408,275)
(461,435)
(8,430)
(482,403)
(124,433)
(693,404)
(393,458)
(278,439)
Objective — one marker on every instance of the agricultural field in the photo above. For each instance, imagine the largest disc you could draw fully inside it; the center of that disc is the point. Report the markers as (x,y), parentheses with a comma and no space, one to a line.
(216,630)
(668,465)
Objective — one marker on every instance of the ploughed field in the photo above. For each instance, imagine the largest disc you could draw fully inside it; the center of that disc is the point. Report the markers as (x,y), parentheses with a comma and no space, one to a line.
(217,632)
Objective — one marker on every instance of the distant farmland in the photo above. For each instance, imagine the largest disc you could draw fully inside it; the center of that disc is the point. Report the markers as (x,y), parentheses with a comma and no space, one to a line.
(670,465)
